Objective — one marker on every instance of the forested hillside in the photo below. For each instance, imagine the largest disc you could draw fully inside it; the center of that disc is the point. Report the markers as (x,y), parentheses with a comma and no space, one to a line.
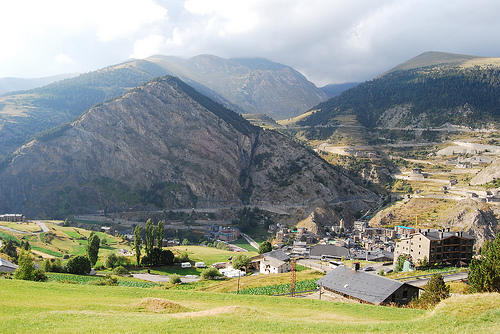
(427,96)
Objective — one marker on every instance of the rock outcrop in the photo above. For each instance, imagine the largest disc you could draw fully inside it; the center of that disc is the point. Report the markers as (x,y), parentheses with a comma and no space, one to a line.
(488,174)
(164,145)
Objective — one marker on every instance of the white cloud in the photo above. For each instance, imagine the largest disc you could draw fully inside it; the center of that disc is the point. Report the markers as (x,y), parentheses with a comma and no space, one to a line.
(64,59)
(148,46)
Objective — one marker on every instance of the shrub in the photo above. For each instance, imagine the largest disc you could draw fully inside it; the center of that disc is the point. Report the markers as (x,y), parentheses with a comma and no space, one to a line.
(210,273)
(175,279)
(78,265)
(106,280)
(39,276)
(435,291)
(121,271)
(110,260)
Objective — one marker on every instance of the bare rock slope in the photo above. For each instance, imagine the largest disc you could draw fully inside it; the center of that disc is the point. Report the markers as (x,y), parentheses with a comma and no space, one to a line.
(165,145)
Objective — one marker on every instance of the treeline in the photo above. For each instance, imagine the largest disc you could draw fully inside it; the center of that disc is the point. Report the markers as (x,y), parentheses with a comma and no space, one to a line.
(467,96)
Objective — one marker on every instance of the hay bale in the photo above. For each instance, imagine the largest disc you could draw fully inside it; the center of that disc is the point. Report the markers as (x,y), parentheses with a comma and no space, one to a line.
(160,305)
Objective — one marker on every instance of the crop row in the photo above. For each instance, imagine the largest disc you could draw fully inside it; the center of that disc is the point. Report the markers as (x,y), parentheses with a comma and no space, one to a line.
(81,279)
(271,290)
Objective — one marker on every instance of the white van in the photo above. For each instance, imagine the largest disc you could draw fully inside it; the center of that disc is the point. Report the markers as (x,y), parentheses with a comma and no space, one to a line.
(185,265)
(200,265)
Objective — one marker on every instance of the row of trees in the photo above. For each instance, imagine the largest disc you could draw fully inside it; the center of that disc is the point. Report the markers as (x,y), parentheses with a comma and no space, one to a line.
(154,255)
(484,272)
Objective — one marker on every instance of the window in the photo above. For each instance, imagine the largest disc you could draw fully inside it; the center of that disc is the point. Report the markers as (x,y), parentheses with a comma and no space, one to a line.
(405,294)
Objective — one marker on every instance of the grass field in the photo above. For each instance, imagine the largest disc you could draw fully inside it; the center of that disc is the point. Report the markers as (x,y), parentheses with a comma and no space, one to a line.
(209,255)
(24,227)
(28,307)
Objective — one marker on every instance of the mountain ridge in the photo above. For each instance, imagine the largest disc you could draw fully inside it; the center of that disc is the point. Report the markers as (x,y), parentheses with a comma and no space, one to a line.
(165,145)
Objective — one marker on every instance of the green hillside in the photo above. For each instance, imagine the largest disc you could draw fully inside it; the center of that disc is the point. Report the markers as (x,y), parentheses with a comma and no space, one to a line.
(86,308)
(429,92)
(26,113)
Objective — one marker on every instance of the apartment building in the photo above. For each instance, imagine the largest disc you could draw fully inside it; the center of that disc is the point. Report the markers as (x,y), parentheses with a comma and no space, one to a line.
(438,246)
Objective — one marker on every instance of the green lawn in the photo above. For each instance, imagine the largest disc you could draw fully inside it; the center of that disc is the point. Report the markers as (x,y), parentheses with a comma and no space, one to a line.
(30,307)
(209,255)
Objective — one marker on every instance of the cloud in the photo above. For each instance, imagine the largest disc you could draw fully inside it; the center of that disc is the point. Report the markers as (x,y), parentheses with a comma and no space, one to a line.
(148,46)
(327,40)
(64,59)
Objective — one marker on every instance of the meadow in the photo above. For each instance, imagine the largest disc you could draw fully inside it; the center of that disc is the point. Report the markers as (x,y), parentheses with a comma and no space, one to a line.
(27,307)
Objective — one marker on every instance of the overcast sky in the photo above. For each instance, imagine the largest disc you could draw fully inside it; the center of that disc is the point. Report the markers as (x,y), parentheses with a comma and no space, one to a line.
(329,41)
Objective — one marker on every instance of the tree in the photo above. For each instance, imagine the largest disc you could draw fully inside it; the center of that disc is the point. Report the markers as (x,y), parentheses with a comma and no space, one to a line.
(93,244)
(9,248)
(78,265)
(110,260)
(265,247)
(240,261)
(25,270)
(435,291)
(137,243)
(484,273)
(160,234)
(150,237)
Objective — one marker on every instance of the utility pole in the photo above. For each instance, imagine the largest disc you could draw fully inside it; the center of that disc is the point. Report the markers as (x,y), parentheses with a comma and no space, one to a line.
(293,278)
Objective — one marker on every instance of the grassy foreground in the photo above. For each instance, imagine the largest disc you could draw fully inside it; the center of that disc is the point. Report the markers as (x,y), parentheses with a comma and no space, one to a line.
(27,307)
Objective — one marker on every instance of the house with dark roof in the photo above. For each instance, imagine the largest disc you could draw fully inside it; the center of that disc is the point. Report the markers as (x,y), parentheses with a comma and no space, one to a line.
(273,262)
(437,246)
(366,287)
(328,251)
(6,266)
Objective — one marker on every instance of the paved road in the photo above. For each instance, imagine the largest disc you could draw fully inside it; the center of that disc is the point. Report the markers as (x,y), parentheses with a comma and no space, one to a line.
(42,226)
(447,278)
(252,242)
(15,231)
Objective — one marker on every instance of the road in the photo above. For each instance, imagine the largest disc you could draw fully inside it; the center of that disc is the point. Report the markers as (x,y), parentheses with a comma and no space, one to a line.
(447,278)
(43,228)
(252,242)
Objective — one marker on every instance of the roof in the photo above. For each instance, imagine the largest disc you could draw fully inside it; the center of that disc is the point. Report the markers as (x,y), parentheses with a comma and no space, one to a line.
(361,285)
(7,264)
(331,250)
(277,254)
(438,235)
(273,262)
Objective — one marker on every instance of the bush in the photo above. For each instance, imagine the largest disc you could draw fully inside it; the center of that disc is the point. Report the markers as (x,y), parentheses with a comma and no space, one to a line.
(39,276)
(121,271)
(106,280)
(435,291)
(210,273)
(175,279)
(78,265)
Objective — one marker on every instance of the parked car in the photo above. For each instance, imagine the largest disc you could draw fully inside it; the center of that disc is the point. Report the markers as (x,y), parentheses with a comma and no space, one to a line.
(368,269)
(185,265)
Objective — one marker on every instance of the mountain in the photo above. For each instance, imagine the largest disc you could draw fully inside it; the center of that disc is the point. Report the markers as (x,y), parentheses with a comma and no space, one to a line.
(253,85)
(14,84)
(430,90)
(244,85)
(165,145)
(333,90)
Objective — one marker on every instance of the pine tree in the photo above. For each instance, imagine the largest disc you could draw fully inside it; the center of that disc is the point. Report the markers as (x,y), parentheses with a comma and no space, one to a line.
(93,248)
(25,270)
(137,243)
(150,237)
(484,273)
(160,233)
(435,291)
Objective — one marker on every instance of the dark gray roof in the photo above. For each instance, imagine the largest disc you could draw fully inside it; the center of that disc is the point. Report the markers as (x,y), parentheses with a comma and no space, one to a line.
(331,250)
(277,254)
(370,288)
(438,235)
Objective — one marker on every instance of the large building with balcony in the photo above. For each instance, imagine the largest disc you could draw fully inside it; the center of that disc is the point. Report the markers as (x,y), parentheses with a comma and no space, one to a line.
(437,246)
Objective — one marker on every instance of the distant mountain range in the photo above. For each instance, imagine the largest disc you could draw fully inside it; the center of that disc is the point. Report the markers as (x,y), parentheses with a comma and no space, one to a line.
(164,145)
(430,90)
(246,85)
(16,84)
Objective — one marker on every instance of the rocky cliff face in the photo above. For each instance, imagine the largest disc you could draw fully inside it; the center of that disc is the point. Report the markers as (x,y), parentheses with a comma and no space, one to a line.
(488,174)
(167,146)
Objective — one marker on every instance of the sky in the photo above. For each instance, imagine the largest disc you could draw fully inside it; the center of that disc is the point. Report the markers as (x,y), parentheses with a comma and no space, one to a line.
(328,41)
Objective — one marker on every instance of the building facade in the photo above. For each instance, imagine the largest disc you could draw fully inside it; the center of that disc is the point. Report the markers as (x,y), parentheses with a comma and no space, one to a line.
(437,246)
